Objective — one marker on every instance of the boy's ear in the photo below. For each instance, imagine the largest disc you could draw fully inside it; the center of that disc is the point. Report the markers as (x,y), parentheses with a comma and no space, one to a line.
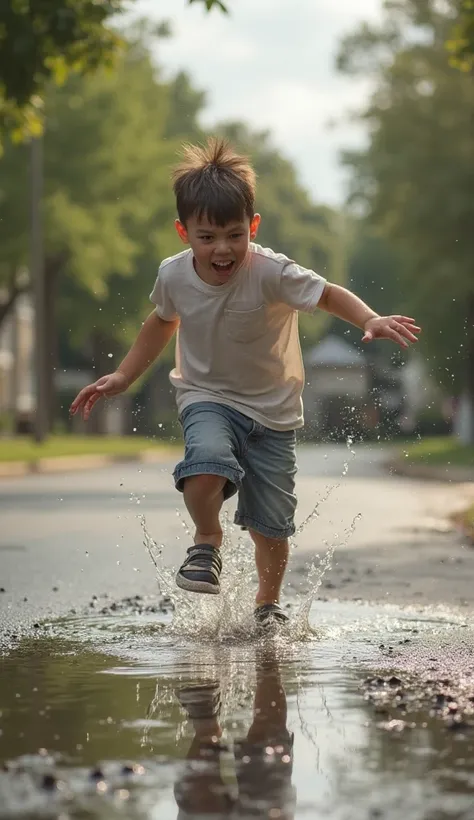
(182,232)
(254,225)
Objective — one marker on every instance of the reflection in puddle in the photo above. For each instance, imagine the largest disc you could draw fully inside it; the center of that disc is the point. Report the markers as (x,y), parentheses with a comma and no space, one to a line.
(114,716)
(255,774)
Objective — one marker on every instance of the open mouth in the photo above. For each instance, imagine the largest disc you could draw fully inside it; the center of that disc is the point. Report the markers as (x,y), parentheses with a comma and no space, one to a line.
(223,267)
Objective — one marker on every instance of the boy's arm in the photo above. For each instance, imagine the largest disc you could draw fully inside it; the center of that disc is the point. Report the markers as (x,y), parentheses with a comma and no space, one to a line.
(154,335)
(152,339)
(347,306)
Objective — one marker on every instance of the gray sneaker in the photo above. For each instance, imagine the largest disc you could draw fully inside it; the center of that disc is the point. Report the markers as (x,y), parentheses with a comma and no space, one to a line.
(200,572)
(269,617)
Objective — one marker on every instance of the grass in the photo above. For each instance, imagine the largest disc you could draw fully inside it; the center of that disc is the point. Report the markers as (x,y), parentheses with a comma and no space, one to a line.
(442,451)
(25,449)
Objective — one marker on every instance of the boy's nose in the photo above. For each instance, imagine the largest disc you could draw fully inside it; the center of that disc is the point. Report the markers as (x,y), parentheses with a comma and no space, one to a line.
(222,247)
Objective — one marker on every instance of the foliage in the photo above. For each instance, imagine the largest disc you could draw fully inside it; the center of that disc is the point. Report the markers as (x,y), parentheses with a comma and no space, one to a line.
(461,42)
(98,186)
(415,179)
(43,42)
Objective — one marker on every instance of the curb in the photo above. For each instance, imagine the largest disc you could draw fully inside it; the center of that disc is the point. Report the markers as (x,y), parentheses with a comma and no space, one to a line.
(448,473)
(60,464)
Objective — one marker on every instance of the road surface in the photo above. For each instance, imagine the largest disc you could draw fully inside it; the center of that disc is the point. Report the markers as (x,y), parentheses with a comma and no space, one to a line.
(67,537)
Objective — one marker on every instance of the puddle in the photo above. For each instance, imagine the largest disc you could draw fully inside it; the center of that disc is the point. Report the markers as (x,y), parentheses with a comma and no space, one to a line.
(172,708)
(116,714)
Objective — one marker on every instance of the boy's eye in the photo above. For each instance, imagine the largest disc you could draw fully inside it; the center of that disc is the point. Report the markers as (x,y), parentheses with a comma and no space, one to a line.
(236,235)
(206,238)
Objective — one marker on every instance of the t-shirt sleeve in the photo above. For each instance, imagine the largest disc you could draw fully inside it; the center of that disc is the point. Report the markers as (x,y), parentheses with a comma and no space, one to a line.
(160,296)
(301,288)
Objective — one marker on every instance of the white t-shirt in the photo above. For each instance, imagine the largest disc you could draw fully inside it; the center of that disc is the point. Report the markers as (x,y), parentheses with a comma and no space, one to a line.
(238,342)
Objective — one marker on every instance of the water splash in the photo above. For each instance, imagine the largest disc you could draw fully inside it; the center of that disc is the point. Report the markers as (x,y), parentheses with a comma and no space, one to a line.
(224,617)
(228,617)
(316,572)
(314,514)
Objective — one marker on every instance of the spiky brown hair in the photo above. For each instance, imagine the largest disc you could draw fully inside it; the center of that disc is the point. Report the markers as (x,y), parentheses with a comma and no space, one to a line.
(213,181)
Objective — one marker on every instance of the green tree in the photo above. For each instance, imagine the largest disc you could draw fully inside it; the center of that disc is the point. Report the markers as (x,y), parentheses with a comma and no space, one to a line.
(461,42)
(417,177)
(106,200)
(104,135)
(43,42)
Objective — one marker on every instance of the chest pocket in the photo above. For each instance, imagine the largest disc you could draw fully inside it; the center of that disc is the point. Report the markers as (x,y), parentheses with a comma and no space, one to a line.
(245,325)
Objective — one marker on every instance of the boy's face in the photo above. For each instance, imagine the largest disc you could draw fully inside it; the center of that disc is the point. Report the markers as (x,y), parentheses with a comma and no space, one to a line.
(218,252)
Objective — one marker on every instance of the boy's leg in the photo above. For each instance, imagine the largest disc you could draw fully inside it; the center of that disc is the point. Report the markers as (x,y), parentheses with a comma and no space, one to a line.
(204,497)
(267,505)
(271,558)
(208,474)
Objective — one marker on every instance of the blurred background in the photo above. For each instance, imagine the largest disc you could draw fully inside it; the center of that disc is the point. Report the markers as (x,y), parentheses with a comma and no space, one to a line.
(358,116)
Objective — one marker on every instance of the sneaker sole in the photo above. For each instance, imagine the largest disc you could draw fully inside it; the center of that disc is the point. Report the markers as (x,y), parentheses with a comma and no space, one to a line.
(197,586)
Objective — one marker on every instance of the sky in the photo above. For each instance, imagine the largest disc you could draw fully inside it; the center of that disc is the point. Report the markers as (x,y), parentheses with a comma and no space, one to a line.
(271,63)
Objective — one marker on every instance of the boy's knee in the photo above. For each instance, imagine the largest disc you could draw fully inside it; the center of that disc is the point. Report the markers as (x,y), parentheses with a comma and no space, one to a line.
(268,542)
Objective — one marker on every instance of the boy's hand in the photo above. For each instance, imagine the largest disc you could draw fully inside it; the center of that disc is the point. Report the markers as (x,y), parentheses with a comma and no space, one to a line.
(398,329)
(107,386)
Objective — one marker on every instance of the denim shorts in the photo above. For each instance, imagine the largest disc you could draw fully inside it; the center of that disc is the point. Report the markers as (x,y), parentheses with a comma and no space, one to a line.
(258,463)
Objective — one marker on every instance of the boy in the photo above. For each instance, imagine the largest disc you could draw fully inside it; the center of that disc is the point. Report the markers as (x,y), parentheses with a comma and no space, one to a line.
(238,373)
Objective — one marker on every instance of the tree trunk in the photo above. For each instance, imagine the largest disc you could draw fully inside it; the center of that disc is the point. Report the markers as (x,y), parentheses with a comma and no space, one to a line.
(51,274)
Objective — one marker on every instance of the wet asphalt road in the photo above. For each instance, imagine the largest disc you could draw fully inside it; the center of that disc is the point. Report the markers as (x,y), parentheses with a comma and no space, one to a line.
(364,711)
(65,538)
